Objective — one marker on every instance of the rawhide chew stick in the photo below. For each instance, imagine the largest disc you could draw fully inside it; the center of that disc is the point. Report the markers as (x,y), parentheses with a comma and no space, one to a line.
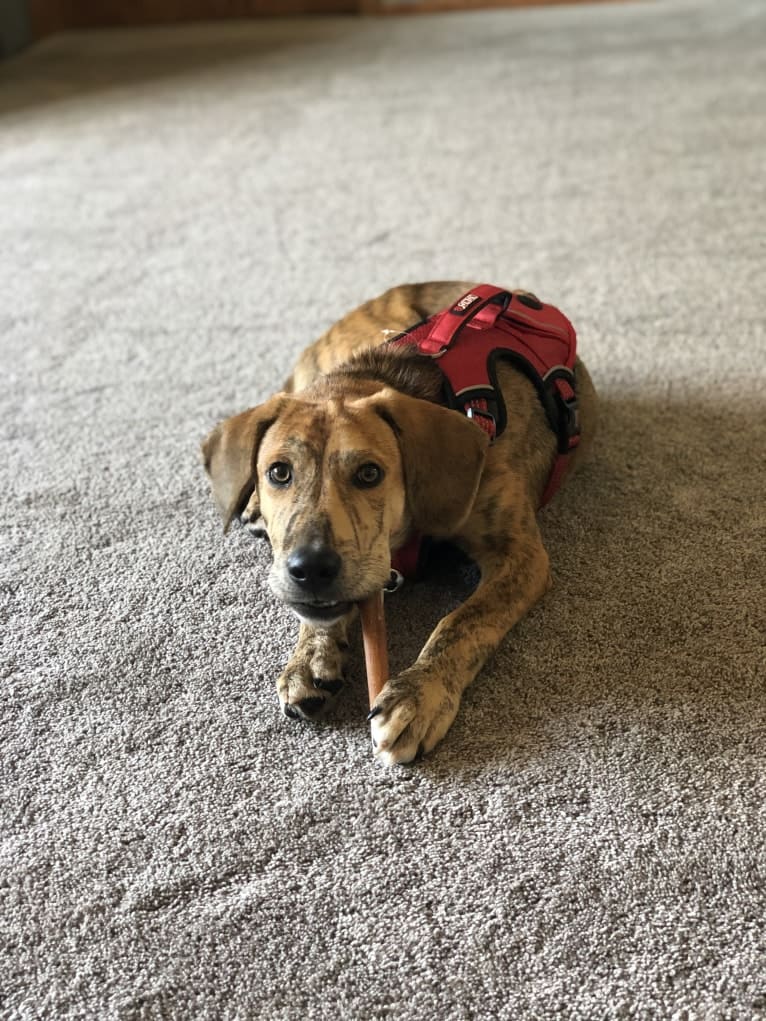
(373,618)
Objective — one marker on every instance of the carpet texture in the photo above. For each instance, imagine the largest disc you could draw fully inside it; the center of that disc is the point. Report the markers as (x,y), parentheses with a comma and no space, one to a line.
(182,211)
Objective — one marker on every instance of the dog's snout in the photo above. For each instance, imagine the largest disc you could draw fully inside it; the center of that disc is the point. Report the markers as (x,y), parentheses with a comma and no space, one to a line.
(313,567)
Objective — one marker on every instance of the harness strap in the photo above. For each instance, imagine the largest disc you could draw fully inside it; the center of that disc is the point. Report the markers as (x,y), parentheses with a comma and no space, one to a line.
(485,326)
(472,309)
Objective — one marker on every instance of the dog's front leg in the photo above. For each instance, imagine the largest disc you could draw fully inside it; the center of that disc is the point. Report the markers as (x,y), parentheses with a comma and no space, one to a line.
(315,673)
(416,709)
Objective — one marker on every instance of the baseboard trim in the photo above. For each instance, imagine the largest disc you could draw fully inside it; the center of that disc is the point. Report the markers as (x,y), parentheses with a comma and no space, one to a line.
(47,16)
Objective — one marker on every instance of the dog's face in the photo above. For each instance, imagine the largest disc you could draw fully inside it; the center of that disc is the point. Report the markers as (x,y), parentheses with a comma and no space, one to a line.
(331,494)
(339,482)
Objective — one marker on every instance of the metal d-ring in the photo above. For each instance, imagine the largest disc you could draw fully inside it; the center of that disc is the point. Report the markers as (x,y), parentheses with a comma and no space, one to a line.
(395,581)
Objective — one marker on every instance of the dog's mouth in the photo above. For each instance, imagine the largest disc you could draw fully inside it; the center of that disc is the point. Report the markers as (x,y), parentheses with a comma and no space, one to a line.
(320,612)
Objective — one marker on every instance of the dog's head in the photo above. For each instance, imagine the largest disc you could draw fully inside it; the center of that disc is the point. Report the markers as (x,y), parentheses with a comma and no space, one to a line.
(339,482)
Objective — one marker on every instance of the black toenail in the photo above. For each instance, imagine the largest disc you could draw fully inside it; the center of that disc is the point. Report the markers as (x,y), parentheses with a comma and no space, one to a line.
(292,712)
(374,712)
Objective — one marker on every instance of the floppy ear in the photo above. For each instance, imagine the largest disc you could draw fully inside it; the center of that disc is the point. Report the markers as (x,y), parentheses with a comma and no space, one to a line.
(443,457)
(230,453)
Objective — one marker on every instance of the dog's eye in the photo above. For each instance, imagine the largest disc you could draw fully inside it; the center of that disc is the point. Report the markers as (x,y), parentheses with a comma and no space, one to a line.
(368,475)
(280,474)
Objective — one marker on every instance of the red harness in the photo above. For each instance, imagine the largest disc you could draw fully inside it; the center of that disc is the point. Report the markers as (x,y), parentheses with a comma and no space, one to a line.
(488,325)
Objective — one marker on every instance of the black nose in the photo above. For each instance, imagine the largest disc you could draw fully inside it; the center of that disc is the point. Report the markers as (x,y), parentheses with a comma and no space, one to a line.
(313,567)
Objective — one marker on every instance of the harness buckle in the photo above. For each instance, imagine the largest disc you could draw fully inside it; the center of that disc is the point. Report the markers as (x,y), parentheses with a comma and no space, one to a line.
(570,417)
(484,419)
(561,383)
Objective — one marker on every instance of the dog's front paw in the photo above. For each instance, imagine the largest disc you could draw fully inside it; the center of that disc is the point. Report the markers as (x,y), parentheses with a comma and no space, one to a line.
(410,716)
(311,681)
(302,696)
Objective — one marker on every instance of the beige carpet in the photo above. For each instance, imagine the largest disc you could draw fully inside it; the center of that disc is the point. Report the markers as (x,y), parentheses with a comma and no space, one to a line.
(181,212)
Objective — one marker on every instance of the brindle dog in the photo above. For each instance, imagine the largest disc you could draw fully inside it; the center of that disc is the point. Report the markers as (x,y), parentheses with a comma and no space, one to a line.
(346,462)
